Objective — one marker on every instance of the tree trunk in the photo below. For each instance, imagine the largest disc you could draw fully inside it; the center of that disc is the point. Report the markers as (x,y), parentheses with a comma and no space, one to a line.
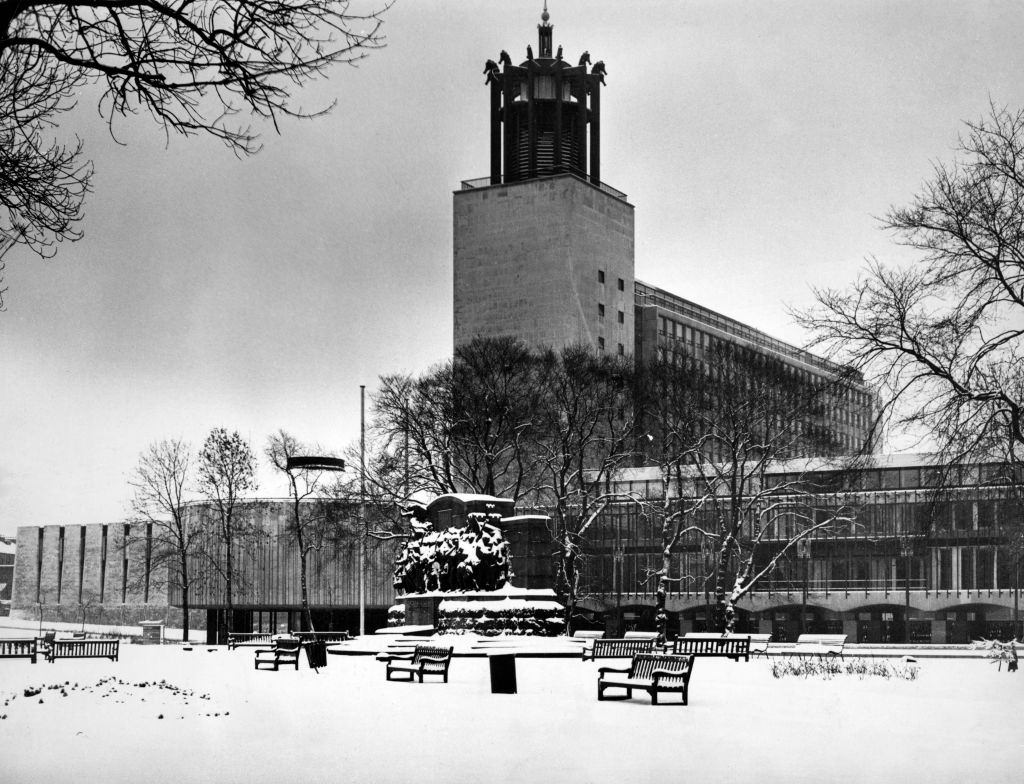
(728,612)
(305,593)
(184,600)
(229,567)
(569,575)
(661,596)
(723,606)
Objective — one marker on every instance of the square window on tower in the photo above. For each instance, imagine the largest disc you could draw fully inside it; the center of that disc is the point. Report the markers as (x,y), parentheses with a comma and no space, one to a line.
(600,276)
(622,285)
(600,312)
(600,344)
(622,317)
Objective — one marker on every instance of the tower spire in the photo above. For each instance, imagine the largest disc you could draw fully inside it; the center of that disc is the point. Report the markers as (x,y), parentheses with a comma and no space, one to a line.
(545,33)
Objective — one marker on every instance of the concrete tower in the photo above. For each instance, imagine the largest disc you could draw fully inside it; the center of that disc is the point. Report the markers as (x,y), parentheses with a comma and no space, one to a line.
(543,250)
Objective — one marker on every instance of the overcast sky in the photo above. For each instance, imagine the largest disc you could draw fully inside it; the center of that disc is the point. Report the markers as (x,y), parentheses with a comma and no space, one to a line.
(756,140)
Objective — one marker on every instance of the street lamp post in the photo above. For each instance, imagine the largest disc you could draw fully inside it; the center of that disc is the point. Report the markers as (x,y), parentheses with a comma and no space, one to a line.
(362,509)
(313,463)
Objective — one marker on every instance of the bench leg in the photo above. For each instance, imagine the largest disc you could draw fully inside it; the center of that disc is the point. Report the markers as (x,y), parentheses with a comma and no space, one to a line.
(601,695)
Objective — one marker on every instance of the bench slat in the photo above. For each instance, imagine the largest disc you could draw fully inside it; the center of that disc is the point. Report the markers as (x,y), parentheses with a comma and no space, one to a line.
(83,649)
(19,649)
(618,648)
(731,647)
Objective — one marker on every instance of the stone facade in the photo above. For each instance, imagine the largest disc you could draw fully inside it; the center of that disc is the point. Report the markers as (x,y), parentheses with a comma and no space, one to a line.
(86,574)
(529,259)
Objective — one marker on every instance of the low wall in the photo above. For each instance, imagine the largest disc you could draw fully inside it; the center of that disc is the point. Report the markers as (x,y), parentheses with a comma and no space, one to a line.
(114,615)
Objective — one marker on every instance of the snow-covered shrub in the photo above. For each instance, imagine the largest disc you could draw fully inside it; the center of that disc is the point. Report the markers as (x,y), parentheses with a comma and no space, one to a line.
(829,668)
(396,615)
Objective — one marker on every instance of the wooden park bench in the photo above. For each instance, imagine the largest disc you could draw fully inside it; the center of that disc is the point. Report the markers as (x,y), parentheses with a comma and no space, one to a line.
(424,660)
(655,673)
(286,651)
(617,648)
(733,647)
(341,636)
(83,649)
(19,649)
(236,639)
(820,645)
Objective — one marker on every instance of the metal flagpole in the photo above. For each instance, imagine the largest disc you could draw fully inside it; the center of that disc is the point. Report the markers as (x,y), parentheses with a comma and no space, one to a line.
(362,509)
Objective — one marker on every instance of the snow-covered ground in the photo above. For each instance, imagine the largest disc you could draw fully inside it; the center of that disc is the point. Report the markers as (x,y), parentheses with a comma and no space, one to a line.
(959,722)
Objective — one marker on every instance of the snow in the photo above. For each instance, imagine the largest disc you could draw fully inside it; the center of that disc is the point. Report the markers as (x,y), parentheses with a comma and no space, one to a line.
(507,590)
(502,605)
(957,722)
(470,497)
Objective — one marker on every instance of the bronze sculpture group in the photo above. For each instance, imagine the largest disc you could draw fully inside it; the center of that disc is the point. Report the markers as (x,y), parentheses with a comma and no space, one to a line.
(474,558)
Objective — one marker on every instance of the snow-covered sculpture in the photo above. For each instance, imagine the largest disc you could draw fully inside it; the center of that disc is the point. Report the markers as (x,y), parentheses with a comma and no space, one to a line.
(474,558)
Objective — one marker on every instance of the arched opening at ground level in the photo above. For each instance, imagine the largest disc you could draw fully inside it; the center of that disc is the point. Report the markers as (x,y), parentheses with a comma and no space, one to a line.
(888,624)
(704,619)
(786,623)
(966,622)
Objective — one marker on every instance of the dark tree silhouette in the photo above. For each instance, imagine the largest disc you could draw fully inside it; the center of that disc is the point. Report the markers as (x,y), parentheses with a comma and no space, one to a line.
(194,66)
(159,483)
(227,471)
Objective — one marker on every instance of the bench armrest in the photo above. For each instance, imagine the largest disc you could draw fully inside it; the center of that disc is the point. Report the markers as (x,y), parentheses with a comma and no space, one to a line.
(603,670)
(265,650)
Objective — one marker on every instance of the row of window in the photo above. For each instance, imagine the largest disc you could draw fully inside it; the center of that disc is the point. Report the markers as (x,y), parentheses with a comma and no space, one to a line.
(600,314)
(621,283)
(679,332)
(620,350)
(941,569)
(693,357)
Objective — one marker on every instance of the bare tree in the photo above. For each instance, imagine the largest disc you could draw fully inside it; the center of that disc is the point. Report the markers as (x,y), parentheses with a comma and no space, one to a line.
(944,336)
(580,433)
(227,471)
(716,432)
(191,65)
(159,483)
(463,426)
(311,523)
(412,428)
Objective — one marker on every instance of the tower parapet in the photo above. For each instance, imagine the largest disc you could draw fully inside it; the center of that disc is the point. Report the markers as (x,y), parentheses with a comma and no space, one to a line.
(540,113)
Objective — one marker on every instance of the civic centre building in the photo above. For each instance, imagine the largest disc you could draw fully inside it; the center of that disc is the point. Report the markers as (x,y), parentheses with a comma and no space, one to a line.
(544,251)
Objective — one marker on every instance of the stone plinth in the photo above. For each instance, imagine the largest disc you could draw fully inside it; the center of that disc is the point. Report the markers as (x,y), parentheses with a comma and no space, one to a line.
(421,609)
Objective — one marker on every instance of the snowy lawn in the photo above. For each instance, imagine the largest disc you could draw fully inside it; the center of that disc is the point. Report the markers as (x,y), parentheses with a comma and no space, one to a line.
(958,722)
